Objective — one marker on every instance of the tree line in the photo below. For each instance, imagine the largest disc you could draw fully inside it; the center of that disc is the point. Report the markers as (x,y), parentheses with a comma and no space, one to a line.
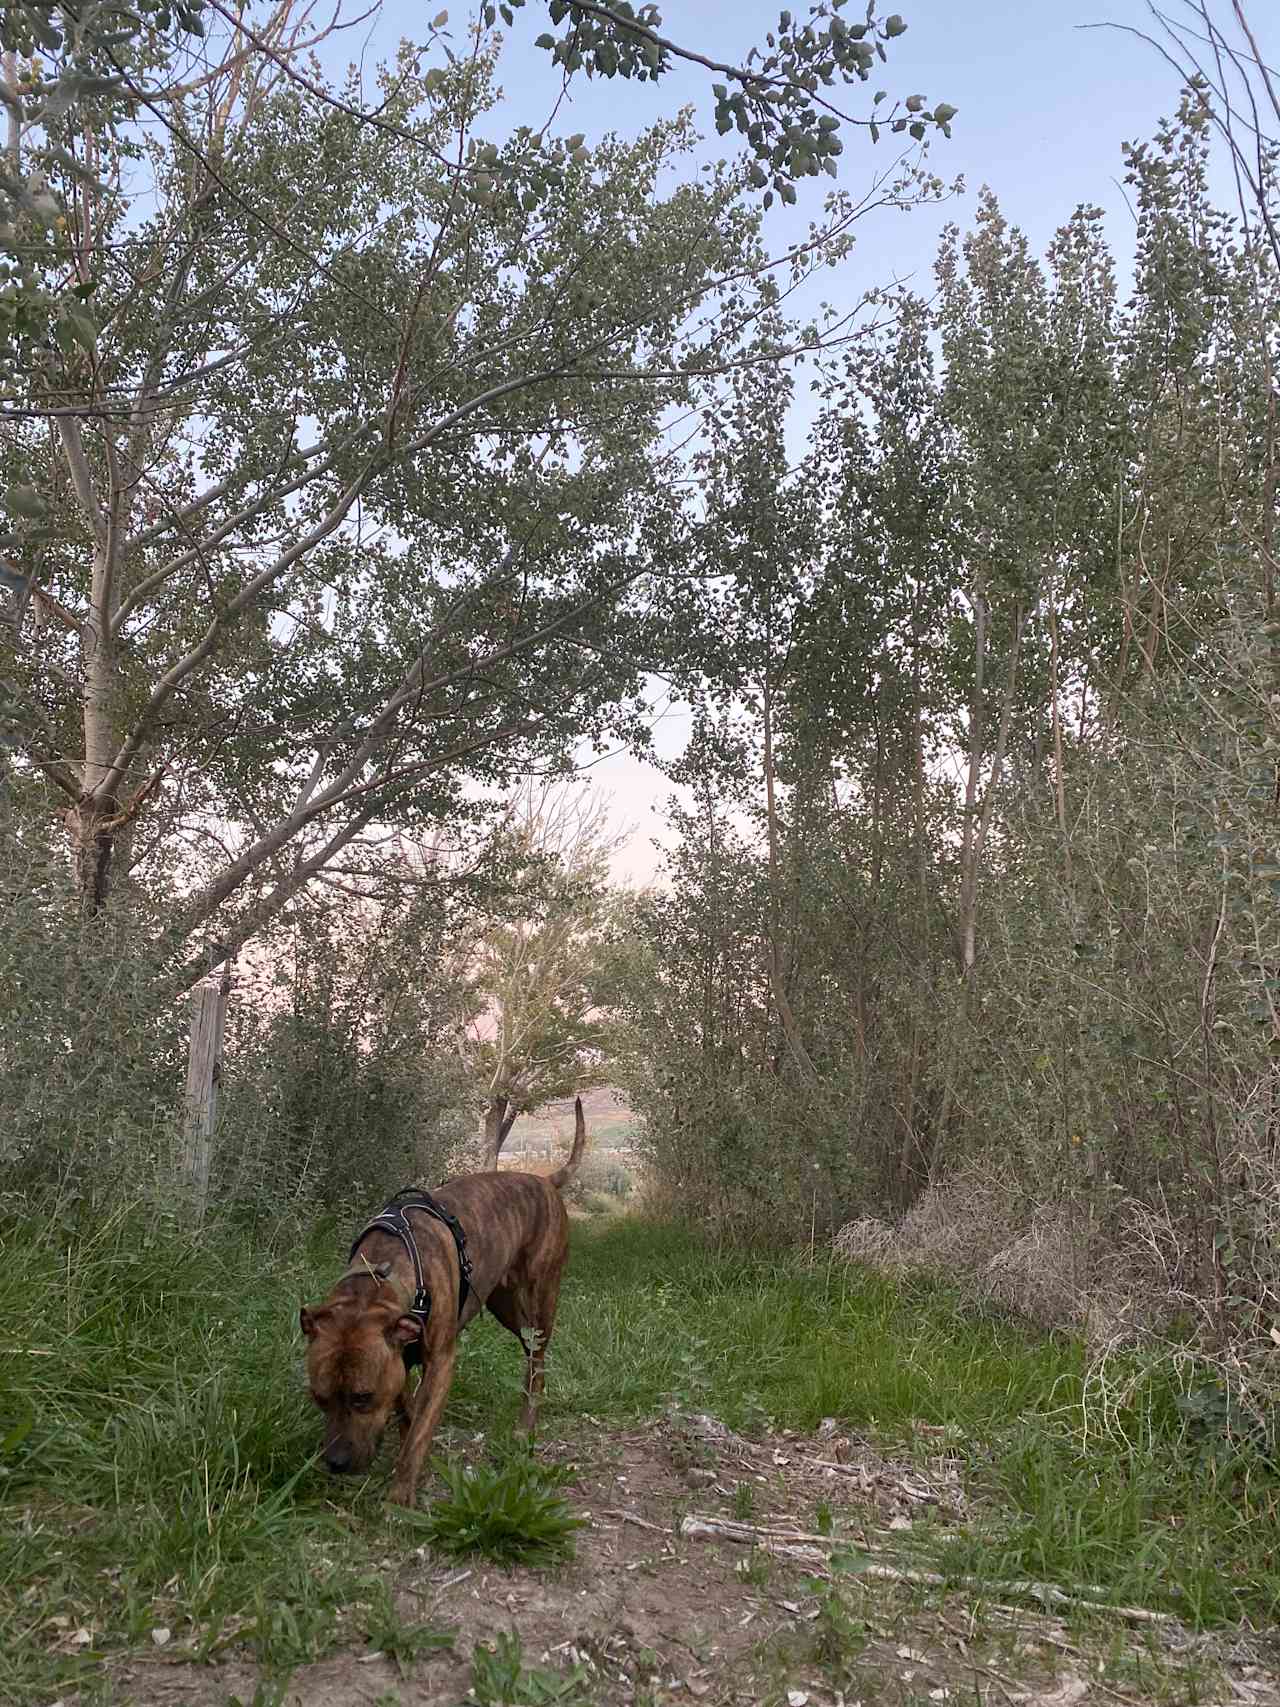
(344,498)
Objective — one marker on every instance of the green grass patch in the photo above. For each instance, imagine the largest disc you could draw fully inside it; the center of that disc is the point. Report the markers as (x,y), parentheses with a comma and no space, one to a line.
(157,1445)
(500,1678)
(510,1512)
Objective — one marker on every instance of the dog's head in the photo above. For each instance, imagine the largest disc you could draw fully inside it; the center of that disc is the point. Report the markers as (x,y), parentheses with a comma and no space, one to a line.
(356,1371)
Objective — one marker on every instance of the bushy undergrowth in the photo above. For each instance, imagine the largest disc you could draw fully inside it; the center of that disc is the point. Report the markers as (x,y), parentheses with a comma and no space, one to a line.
(158,1444)
(333,1078)
(974,893)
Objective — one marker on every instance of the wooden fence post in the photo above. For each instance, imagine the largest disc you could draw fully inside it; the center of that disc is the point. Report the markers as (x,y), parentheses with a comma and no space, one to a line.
(204,1067)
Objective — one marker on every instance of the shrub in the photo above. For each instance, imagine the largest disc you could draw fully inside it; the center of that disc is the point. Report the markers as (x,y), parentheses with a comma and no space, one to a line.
(509,1512)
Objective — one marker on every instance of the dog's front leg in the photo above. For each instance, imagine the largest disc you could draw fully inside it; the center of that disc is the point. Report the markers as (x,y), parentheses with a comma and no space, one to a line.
(433,1390)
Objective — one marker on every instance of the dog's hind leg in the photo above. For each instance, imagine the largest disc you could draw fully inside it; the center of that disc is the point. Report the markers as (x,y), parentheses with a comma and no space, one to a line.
(542,1314)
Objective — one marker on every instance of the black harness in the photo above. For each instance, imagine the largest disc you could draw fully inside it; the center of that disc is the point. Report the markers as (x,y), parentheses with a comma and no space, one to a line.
(393,1220)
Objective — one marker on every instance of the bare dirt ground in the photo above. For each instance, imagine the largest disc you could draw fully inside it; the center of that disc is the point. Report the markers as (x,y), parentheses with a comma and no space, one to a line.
(705,1574)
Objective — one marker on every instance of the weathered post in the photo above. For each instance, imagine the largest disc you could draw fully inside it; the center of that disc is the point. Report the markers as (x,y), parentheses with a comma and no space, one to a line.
(204,1067)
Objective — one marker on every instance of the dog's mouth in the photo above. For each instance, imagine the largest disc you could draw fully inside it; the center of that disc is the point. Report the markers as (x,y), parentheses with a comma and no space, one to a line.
(344,1458)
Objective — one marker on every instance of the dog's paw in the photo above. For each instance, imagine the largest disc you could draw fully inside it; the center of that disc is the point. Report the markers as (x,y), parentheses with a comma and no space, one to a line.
(402,1493)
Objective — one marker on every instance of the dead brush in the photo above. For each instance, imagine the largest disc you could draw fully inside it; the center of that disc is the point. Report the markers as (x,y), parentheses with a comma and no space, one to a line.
(983,1234)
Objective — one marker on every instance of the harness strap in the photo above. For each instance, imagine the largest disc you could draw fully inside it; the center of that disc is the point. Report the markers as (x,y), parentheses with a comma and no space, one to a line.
(393,1220)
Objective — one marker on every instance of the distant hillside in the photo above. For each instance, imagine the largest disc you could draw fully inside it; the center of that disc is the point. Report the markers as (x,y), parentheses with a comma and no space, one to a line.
(610,1124)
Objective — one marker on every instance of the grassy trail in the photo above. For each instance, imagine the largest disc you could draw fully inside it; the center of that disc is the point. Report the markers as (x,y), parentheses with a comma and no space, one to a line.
(156,1439)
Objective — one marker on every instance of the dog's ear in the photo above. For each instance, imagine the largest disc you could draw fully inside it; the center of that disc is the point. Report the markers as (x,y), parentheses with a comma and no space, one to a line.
(311,1321)
(403,1330)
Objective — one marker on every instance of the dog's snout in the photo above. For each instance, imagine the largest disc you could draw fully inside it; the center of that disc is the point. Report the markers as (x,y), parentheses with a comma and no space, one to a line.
(338,1457)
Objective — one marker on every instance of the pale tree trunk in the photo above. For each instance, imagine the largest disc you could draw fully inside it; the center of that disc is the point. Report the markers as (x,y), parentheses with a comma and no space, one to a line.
(977,822)
(107,796)
(916,1151)
(1059,764)
(777,970)
(93,819)
(977,828)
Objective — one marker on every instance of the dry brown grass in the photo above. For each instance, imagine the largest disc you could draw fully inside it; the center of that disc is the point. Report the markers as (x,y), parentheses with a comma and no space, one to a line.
(978,1231)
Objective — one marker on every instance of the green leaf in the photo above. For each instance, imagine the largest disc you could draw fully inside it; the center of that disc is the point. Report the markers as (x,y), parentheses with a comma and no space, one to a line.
(83,330)
(25,501)
(18,1433)
(894,25)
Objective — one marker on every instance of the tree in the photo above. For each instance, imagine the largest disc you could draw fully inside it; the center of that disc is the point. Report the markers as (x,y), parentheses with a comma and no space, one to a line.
(342,1075)
(333,433)
(83,61)
(1014,613)
(537,1035)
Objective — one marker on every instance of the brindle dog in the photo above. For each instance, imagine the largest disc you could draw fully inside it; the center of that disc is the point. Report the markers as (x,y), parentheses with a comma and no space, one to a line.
(362,1340)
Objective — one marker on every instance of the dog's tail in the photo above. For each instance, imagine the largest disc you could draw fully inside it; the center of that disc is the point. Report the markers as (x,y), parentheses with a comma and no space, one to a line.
(563,1175)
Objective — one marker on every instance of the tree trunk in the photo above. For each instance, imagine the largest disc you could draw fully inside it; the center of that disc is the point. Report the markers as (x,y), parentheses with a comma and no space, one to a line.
(93,836)
(500,1116)
(777,971)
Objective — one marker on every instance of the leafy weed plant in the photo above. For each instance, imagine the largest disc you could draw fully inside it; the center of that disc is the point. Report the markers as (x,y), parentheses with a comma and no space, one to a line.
(510,1512)
(403,1643)
(500,1678)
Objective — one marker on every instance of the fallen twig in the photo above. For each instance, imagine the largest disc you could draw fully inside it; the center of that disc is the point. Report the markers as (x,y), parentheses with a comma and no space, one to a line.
(859,1470)
(752,1533)
(795,1544)
(640,1522)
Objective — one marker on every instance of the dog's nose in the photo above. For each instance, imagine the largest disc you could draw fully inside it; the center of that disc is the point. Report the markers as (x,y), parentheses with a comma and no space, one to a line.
(338,1458)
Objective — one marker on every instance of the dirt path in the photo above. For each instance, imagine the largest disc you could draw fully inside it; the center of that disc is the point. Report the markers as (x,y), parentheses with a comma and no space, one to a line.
(653,1610)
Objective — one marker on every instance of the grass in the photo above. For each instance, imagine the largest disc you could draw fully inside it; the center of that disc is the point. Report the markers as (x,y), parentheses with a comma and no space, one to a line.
(156,1444)
(403,1643)
(508,1512)
(500,1678)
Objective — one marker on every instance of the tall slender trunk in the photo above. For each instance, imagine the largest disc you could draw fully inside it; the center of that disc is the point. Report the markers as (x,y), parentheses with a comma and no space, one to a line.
(777,970)
(1059,778)
(969,852)
(977,828)
(913,1157)
(93,820)
(977,820)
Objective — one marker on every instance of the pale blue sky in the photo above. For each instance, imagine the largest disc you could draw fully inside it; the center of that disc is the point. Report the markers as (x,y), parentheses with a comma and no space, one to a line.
(1044,106)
